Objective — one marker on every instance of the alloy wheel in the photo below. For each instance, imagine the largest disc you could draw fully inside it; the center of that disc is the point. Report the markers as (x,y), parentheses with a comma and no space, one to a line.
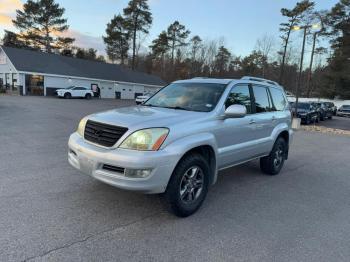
(191,185)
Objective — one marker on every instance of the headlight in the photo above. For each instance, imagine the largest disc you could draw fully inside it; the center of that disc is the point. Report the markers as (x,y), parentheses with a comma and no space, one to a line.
(146,139)
(81,127)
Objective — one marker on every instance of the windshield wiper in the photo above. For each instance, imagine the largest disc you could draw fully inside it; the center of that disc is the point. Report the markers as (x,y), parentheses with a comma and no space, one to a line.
(176,108)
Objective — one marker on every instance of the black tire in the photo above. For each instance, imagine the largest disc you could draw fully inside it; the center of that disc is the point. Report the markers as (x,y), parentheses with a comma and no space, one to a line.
(330,117)
(273,163)
(88,96)
(67,96)
(318,118)
(322,117)
(308,121)
(180,203)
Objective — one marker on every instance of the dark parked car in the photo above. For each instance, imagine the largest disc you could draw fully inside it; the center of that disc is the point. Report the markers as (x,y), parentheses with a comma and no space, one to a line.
(307,112)
(332,106)
(323,110)
(344,110)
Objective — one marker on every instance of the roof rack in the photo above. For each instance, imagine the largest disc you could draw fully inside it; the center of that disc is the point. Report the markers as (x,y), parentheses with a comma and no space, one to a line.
(258,79)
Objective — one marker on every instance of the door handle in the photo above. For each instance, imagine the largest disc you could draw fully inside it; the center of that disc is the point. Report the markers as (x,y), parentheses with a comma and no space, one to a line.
(252,121)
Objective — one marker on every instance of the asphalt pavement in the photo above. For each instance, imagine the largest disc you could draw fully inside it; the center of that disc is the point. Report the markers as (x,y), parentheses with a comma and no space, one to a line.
(51,212)
(337,122)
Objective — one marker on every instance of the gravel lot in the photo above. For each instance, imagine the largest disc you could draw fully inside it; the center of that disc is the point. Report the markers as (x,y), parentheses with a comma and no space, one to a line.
(50,212)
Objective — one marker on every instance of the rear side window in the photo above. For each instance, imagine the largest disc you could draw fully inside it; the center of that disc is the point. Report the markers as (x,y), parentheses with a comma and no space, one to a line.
(240,95)
(262,101)
(278,99)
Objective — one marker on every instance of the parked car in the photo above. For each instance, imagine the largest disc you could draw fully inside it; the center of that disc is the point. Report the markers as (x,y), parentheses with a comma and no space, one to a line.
(177,141)
(307,112)
(75,91)
(344,110)
(324,111)
(332,107)
(143,98)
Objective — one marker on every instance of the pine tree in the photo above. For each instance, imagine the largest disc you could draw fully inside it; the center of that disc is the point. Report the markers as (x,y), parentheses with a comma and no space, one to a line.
(138,19)
(339,63)
(11,39)
(40,23)
(117,39)
(222,60)
(294,15)
(177,35)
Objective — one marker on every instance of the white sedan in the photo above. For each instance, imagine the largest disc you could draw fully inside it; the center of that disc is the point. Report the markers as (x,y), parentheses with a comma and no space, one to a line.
(143,98)
(75,91)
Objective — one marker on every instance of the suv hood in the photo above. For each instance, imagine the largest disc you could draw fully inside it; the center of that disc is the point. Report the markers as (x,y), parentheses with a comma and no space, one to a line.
(144,117)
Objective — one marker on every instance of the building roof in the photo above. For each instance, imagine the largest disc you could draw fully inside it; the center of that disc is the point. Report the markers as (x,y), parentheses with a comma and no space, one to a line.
(39,62)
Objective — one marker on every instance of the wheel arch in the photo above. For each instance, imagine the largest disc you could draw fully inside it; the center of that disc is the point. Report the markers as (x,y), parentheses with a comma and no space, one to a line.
(208,152)
(285,135)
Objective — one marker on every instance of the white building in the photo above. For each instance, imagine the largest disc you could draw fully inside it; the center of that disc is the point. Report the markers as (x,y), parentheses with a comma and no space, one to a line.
(29,72)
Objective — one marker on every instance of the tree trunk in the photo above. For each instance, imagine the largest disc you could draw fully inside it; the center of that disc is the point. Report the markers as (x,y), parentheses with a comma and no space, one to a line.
(47,40)
(134,47)
(308,87)
(284,56)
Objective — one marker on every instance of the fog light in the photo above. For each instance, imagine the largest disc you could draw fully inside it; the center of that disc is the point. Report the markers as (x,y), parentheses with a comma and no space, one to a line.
(137,173)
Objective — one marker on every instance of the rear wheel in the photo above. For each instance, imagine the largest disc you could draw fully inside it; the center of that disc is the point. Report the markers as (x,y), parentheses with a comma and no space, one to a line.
(188,185)
(273,163)
(88,96)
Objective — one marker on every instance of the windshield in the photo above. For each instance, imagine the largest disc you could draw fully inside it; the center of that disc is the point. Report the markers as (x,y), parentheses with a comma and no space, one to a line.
(302,106)
(201,97)
(71,87)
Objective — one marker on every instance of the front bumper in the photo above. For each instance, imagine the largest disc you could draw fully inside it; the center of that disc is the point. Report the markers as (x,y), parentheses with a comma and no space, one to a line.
(89,159)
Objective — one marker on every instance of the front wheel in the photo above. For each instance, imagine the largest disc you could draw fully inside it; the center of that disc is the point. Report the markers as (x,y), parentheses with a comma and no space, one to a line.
(67,96)
(308,120)
(188,185)
(273,163)
(88,96)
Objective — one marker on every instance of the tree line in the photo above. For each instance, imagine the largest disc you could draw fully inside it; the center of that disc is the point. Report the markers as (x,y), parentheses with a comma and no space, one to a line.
(176,53)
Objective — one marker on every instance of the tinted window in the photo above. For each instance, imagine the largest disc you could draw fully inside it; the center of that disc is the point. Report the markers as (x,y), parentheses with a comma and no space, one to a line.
(262,103)
(201,97)
(302,106)
(240,95)
(278,99)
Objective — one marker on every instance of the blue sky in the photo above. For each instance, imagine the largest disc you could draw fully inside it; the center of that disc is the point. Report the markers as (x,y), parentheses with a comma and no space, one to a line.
(239,22)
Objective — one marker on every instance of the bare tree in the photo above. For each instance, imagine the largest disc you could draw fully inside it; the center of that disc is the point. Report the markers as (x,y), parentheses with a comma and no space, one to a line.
(265,45)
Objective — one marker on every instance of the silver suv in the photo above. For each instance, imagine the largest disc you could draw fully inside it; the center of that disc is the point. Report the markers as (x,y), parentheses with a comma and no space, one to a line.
(176,142)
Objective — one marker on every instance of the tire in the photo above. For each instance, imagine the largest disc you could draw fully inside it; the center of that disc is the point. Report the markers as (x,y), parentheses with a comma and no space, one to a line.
(88,96)
(67,96)
(318,118)
(273,163)
(322,118)
(188,186)
(307,121)
(330,117)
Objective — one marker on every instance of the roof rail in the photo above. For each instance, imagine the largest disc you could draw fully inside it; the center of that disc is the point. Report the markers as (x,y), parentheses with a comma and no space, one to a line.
(258,79)
(200,77)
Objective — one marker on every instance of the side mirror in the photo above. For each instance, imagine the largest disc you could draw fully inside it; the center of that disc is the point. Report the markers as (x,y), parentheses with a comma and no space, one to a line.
(235,111)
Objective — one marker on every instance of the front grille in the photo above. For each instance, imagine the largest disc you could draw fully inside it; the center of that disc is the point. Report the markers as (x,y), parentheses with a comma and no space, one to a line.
(103,134)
